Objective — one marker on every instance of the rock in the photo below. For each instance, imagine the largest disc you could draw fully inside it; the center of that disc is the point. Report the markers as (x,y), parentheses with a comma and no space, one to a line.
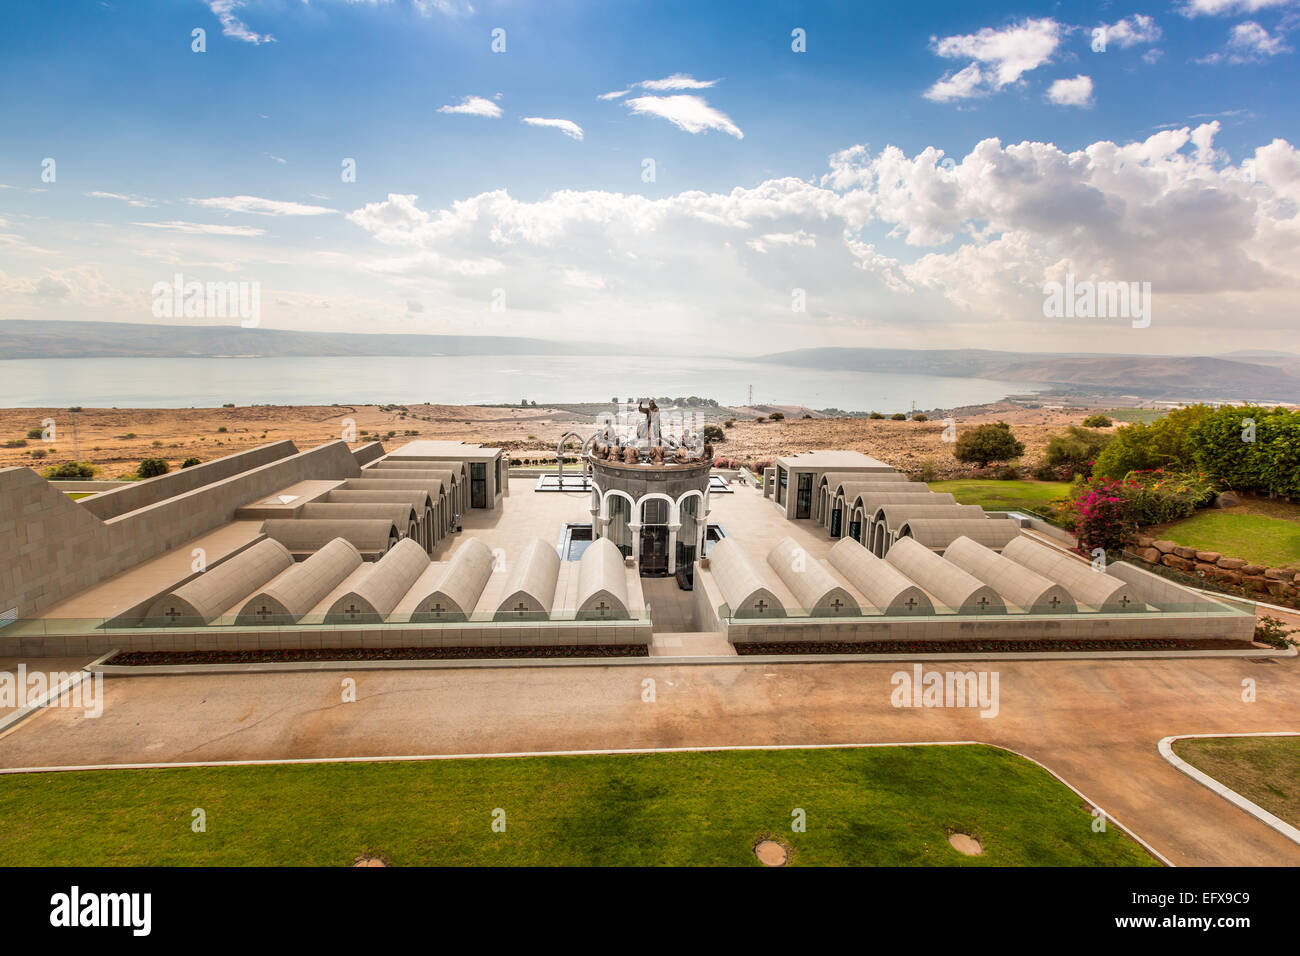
(1176,562)
(1145,542)
(1188,553)
(1275,587)
(1228,577)
(1279,574)
(1252,570)
(1149,554)
(1164,547)
(1209,557)
(1204,567)
(1232,564)
(1255,582)
(1226,499)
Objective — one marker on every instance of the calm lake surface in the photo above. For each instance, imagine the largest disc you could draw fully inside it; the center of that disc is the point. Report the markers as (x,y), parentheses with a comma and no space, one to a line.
(467,380)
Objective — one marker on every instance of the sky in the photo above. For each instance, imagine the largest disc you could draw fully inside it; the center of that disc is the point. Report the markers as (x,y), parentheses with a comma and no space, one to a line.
(738,178)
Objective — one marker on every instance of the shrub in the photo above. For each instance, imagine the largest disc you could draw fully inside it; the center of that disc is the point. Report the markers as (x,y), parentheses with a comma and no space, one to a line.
(16,443)
(1007,473)
(991,442)
(729,423)
(1160,496)
(1103,517)
(228,405)
(714,434)
(70,469)
(1271,631)
(1270,462)
(222,430)
(1165,443)
(38,452)
(35,433)
(1074,452)
(920,417)
(152,468)
(1097,421)
(929,471)
(875,415)
(777,416)
(760,419)
(75,408)
(190,462)
(898,417)
(806,415)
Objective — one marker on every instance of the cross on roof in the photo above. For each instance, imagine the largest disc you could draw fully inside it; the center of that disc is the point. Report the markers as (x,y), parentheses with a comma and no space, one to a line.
(837,604)
(1055,602)
(438,608)
(263,612)
(602,607)
(983,603)
(1124,601)
(760,606)
(522,607)
(352,609)
(172,613)
(911,604)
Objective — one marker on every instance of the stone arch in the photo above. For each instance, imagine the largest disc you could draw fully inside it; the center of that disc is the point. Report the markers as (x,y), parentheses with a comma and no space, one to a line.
(657,496)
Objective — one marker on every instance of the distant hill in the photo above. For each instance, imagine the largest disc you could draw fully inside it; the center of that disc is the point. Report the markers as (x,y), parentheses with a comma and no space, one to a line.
(32,339)
(1151,376)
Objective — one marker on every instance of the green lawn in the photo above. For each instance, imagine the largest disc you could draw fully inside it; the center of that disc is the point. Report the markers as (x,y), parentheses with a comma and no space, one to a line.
(1126,415)
(1274,542)
(1264,770)
(876,806)
(994,495)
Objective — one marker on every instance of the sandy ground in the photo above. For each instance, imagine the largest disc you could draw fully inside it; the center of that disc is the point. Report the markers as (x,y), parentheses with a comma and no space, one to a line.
(115,440)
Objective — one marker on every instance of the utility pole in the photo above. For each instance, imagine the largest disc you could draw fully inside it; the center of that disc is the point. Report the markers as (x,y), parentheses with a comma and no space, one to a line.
(751,396)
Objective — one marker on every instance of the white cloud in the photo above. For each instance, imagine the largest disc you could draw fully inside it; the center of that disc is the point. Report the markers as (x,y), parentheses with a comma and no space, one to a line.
(1072,92)
(613,95)
(567,127)
(1249,40)
(965,83)
(232,26)
(691,113)
(473,106)
(202,228)
(678,81)
(902,244)
(1007,54)
(139,201)
(261,207)
(1131,31)
(1196,8)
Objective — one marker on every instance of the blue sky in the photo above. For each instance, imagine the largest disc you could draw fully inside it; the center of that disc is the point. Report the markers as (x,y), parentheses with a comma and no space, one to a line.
(225,165)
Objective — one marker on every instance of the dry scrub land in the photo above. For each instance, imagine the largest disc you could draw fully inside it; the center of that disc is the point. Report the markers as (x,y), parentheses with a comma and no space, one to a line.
(115,440)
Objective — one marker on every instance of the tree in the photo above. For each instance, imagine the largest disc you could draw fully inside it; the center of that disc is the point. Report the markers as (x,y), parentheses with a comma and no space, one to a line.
(152,468)
(190,462)
(777,416)
(70,469)
(1097,421)
(714,434)
(1076,450)
(990,442)
(1165,443)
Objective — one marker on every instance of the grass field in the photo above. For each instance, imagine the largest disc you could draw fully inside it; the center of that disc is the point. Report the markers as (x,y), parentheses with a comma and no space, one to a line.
(1274,542)
(1127,415)
(888,806)
(993,495)
(1264,770)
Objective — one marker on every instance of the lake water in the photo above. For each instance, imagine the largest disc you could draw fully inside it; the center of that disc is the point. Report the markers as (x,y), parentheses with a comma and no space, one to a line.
(467,380)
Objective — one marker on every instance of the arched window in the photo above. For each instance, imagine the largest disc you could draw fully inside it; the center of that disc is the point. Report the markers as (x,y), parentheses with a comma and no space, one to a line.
(654,511)
(620,516)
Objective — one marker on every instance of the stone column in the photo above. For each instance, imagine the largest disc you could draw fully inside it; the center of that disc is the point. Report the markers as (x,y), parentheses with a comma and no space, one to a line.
(636,542)
(672,547)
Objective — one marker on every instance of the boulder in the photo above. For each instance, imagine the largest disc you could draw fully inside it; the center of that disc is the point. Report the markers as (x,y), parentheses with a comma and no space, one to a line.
(1164,547)
(1176,562)
(1149,554)
(1188,553)
(1204,567)
(1252,570)
(1226,499)
(1256,582)
(1145,542)
(1228,577)
(1209,557)
(1232,564)
(1279,574)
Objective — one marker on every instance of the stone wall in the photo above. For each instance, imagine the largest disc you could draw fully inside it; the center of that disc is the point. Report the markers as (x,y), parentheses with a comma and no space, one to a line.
(1278,582)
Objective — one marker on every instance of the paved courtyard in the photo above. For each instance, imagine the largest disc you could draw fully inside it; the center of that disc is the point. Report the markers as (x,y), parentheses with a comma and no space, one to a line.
(1096,723)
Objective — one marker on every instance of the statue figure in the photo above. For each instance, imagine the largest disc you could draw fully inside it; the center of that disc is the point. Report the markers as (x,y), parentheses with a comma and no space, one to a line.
(657,455)
(651,425)
(708,452)
(630,455)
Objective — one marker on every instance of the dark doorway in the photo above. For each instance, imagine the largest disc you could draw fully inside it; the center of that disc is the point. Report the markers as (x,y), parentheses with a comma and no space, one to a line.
(855,530)
(654,550)
(837,519)
(478,484)
(803,496)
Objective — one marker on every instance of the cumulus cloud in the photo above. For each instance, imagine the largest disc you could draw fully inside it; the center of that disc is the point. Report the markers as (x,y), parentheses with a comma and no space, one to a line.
(261,207)
(1000,57)
(1197,8)
(901,241)
(1132,31)
(1071,92)
(567,127)
(139,201)
(691,113)
(473,106)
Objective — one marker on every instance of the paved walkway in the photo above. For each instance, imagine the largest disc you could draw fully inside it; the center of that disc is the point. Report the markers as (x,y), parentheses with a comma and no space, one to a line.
(1096,723)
